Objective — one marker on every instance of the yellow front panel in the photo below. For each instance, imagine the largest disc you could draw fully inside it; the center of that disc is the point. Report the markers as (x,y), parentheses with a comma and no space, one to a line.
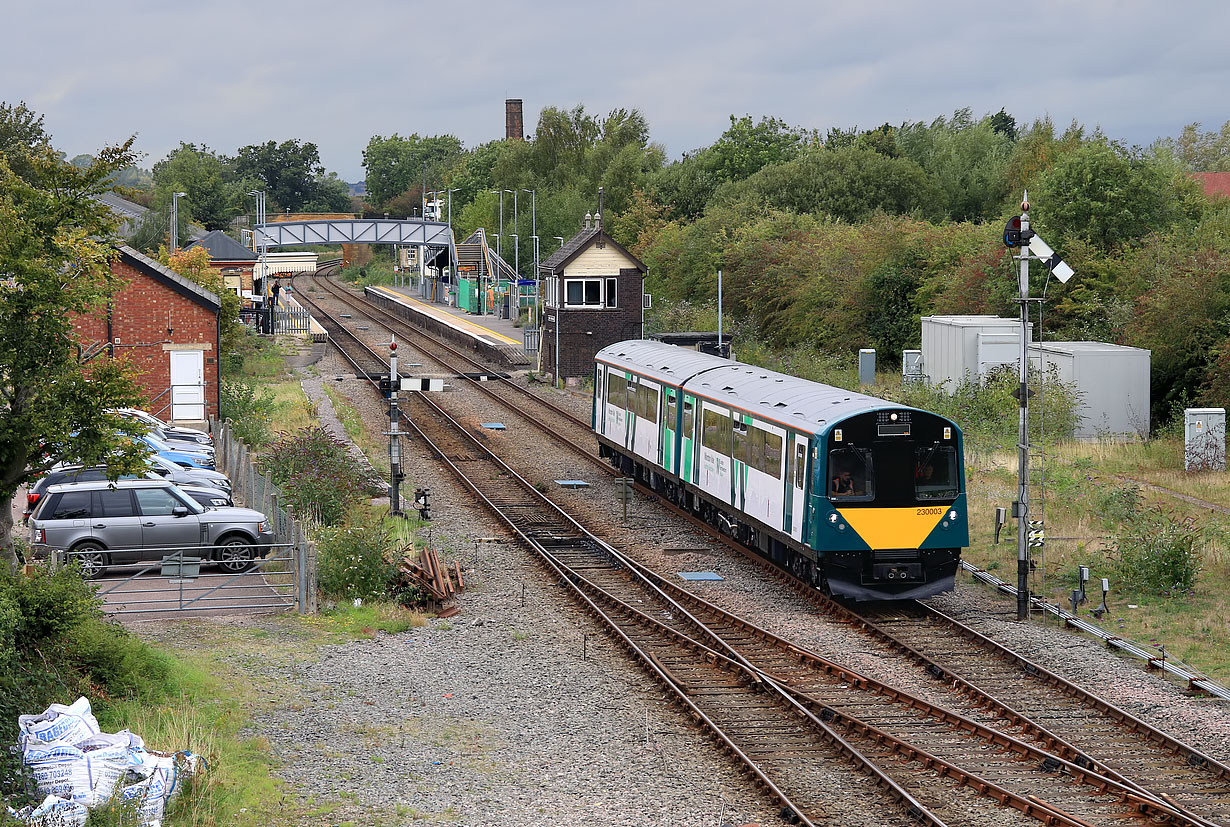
(884,528)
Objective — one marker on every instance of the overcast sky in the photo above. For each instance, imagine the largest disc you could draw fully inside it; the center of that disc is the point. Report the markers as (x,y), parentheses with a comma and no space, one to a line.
(228,73)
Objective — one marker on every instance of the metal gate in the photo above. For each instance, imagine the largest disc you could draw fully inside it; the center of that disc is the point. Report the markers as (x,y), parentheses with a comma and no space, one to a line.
(188,580)
(291,320)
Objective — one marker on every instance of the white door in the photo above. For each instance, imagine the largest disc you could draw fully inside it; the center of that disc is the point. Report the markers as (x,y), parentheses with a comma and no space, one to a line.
(188,385)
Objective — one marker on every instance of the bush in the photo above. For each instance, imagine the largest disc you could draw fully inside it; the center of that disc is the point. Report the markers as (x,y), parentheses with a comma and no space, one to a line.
(1159,552)
(353,562)
(56,644)
(316,474)
(250,412)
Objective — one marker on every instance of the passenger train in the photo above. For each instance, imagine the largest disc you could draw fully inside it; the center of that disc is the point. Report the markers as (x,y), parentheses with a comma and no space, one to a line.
(852,494)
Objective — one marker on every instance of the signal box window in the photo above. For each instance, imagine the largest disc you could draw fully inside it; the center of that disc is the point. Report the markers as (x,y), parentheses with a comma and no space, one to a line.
(851,476)
(935,473)
(583,293)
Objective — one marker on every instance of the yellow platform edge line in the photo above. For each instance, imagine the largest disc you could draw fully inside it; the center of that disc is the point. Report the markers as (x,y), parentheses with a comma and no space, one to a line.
(449,317)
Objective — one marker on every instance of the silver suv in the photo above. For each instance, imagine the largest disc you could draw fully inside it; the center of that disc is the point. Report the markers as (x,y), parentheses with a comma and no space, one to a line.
(128,521)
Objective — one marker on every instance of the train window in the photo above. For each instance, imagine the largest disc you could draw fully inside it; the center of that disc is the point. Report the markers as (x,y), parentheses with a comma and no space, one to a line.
(800,466)
(936,475)
(689,413)
(672,411)
(616,391)
(851,475)
(647,398)
(755,448)
(741,440)
(715,431)
(772,455)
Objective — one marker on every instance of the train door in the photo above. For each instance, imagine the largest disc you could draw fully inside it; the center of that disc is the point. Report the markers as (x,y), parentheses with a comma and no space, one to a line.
(796,484)
(715,474)
(647,418)
(599,412)
(741,430)
(615,425)
(687,450)
(670,429)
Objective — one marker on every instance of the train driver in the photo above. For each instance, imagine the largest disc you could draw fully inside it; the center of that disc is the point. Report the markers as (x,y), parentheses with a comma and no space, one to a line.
(843,484)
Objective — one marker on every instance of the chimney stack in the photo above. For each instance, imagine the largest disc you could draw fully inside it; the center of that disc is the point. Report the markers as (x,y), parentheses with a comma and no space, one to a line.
(514,123)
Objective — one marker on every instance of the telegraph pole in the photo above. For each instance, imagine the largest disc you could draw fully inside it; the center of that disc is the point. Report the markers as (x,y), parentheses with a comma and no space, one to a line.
(395,474)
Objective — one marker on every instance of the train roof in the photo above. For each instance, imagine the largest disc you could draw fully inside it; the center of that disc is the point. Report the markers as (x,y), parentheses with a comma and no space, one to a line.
(666,363)
(789,400)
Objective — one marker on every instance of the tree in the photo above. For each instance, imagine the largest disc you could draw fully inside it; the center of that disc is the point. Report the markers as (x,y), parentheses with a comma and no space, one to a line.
(1105,195)
(742,150)
(395,164)
(1202,151)
(193,263)
(55,254)
(212,198)
(332,195)
(286,171)
(21,133)
(850,183)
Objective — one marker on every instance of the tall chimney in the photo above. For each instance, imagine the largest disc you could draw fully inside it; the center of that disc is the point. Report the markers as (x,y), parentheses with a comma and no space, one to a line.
(514,123)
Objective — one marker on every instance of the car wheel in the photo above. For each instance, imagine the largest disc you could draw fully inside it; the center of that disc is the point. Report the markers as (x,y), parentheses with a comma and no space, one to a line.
(91,557)
(235,554)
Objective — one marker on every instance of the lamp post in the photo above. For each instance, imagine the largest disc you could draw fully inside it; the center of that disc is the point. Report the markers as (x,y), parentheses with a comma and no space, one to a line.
(175,196)
(537,320)
(516,244)
(500,193)
(260,242)
(559,309)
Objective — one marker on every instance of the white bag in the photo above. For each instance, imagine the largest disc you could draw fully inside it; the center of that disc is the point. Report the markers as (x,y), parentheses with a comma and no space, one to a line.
(53,812)
(69,724)
(88,772)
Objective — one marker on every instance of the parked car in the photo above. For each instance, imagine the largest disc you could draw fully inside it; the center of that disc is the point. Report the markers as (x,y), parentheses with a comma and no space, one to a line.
(170,432)
(205,494)
(186,459)
(65,474)
(188,476)
(103,524)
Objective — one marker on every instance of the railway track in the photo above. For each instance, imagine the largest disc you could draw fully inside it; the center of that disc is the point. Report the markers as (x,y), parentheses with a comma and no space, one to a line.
(775,706)
(540,413)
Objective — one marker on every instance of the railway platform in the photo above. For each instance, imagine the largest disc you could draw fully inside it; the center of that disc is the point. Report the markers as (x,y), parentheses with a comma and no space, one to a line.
(496,339)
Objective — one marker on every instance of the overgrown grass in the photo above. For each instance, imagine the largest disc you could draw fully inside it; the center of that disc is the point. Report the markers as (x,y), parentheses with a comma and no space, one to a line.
(374,447)
(1089,512)
(374,272)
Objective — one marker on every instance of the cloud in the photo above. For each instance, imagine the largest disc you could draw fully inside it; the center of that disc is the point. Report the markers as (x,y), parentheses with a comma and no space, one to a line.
(231,73)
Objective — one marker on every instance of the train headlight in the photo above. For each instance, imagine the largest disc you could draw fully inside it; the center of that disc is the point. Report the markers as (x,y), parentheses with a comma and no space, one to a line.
(833,517)
(952,515)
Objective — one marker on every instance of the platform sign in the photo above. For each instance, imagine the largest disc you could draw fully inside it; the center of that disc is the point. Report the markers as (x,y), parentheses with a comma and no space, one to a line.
(525,282)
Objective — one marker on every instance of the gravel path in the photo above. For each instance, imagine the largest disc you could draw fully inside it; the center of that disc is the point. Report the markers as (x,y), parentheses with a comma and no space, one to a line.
(520,711)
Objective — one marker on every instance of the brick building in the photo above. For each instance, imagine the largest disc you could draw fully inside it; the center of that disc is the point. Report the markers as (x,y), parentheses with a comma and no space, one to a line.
(168,327)
(233,262)
(601,287)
